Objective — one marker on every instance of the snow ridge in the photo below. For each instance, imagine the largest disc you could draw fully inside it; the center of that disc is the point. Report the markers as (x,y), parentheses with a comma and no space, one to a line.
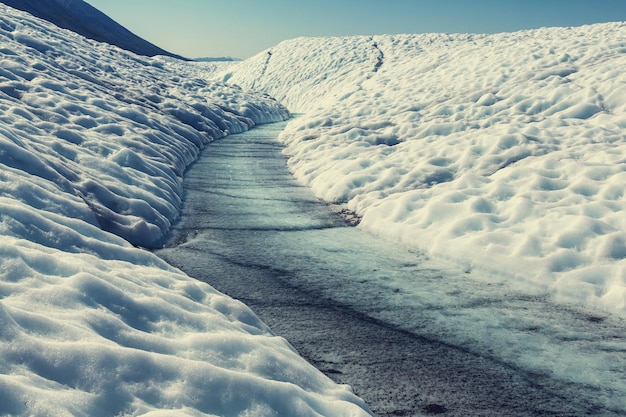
(504,153)
(80,17)
(145,130)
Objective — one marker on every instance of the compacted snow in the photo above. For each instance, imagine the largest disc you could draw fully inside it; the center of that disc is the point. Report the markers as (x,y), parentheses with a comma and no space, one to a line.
(505,153)
(93,145)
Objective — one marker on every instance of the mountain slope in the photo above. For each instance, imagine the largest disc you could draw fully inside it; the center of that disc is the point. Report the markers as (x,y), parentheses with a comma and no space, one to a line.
(82,18)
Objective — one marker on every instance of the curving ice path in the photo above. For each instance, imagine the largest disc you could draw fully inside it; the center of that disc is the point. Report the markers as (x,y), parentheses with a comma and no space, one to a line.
(411,336)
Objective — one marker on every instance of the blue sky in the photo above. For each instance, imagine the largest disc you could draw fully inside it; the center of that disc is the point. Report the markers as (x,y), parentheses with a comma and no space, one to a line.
(242,28)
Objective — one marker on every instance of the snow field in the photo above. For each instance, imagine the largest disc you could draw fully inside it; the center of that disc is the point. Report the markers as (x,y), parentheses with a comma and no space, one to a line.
(93,145)
(503,153)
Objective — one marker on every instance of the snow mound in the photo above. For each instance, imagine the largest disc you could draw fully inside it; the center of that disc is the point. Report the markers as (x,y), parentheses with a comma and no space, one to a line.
(95,140)
(500,152)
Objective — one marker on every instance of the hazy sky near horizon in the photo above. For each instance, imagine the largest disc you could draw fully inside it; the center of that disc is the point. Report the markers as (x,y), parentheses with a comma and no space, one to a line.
(242,28)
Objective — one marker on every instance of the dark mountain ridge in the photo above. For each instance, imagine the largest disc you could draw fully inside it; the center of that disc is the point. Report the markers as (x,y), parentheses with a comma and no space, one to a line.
(86,20)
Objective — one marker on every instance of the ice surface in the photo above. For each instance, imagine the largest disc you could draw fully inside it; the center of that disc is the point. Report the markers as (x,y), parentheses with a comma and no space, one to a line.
(95,140)
(502,152)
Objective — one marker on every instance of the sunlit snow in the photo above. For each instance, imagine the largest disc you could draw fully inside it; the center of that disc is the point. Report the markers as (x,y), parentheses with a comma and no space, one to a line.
(502,152)
(93,145)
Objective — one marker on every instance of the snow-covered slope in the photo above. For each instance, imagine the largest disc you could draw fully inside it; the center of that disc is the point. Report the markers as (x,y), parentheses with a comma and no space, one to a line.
(95,140)
(502,152)
(110,129)
(82,18)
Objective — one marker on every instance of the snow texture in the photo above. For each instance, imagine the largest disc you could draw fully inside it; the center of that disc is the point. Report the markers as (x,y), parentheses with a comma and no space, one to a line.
(505,153)
(93,145)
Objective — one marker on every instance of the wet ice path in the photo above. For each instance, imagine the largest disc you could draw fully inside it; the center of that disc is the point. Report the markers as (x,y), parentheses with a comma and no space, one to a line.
(411,337)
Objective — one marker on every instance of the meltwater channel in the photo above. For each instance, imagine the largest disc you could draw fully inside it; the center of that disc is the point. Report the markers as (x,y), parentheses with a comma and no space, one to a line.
(413,337)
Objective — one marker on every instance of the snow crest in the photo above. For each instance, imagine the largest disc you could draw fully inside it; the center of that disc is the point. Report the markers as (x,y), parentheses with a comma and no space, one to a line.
(95,140)
(502,152)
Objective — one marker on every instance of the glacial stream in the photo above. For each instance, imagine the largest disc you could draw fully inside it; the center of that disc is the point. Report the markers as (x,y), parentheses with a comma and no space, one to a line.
(411,336)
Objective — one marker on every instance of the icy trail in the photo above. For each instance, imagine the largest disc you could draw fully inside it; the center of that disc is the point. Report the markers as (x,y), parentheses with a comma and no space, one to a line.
(411,337)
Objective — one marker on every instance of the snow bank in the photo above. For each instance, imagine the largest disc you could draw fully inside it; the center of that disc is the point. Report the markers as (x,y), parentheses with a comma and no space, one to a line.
(109,128)
(94,140)
(501,152)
